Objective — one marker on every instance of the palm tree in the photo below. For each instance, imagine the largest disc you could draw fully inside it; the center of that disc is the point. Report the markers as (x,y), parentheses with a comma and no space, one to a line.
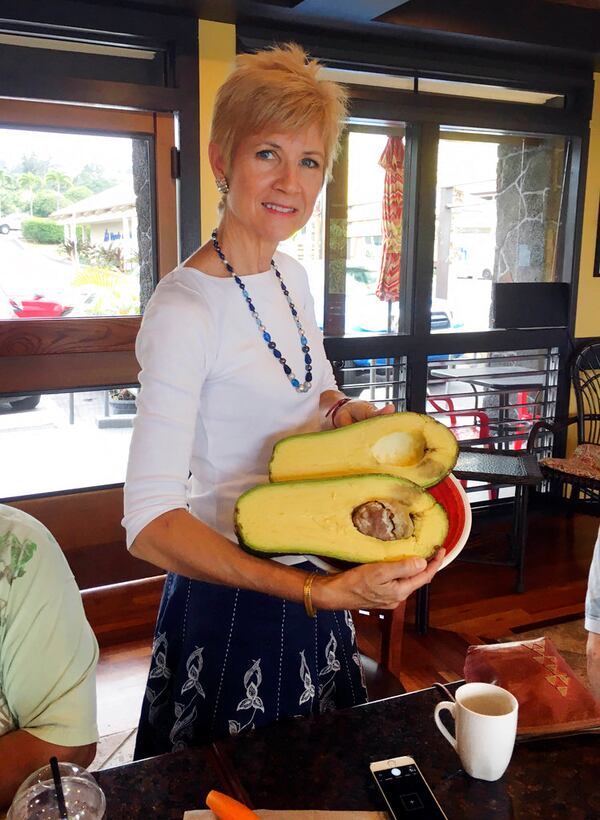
(7,181)
(29,181)
(57,181)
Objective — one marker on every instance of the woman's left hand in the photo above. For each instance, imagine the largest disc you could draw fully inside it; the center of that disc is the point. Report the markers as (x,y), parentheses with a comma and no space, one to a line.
(358,410)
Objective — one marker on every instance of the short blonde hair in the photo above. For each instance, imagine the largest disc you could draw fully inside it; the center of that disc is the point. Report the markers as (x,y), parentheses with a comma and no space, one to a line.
(277,88)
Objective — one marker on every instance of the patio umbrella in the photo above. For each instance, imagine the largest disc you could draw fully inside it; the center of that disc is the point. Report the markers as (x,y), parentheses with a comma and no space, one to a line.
(392,159)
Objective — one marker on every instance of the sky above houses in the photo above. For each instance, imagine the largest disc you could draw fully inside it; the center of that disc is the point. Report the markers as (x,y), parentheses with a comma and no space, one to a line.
(67,152)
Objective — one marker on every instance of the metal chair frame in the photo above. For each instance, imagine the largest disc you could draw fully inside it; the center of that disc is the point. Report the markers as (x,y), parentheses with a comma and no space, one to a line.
(585,378)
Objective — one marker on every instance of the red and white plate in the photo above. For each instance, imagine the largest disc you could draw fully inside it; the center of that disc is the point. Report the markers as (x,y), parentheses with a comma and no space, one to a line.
(451,495)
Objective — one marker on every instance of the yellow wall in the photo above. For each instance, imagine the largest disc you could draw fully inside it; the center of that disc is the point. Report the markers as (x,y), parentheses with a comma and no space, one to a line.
(216,44)
(588,296)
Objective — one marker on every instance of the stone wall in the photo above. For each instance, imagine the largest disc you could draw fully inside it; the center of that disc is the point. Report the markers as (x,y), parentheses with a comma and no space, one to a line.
(529,183)
(143,192)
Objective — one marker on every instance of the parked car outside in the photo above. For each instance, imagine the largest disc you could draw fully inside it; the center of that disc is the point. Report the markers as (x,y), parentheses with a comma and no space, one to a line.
(10,222)
(366,314)
(19,403)
(36,306)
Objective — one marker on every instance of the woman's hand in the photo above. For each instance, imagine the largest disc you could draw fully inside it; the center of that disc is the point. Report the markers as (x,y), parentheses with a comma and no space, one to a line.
(382,585)
(358,410)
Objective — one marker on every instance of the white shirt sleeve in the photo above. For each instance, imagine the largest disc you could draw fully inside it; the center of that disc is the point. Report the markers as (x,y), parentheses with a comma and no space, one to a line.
(172,349)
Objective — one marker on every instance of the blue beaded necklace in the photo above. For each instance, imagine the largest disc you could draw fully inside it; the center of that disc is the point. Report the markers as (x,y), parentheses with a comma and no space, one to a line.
(300,387)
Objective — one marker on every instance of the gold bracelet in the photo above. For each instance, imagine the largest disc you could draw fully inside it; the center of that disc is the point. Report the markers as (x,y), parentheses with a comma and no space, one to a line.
(306,594)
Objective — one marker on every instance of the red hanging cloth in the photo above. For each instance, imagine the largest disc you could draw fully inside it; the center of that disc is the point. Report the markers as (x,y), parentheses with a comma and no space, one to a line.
(392,159)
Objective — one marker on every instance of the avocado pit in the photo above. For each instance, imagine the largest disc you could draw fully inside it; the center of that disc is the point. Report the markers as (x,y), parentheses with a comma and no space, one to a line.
(401,448)
(385,520)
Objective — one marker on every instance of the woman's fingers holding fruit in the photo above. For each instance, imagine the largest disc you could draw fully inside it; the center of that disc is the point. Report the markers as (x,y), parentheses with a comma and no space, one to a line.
(380,585)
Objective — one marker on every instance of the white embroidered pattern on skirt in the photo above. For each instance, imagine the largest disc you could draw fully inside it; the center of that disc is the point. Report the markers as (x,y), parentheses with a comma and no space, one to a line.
(327,674)
(186,713)
(252,680)
(356,654)
(306,678)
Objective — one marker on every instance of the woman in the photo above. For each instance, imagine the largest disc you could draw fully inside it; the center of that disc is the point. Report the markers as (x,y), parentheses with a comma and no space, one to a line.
(232,360)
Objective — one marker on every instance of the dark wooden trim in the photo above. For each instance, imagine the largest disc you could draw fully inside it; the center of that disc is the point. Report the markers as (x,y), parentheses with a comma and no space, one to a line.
(92,92)
(67,371)
(24,113)
(580,342)
(465,112)
(166,196)
(39,337)
(188,126)
(404,51)
(555,26)
(423,207)
(68,517)
(123,612)
(440,343)
(102,23)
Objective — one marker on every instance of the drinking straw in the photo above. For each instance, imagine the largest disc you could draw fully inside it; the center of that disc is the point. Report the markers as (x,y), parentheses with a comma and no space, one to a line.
(60,797)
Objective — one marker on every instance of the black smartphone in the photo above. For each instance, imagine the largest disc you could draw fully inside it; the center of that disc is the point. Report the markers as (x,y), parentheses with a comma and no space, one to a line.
(405,790)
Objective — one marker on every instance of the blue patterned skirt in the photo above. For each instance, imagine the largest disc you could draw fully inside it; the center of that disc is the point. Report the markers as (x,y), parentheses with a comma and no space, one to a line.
(227,660)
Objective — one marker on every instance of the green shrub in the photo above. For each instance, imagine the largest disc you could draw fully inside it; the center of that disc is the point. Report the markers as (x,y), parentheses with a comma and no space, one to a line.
(42,231)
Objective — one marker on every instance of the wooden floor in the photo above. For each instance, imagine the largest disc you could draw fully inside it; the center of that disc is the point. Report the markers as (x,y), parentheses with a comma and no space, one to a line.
(477,603)
(470,603)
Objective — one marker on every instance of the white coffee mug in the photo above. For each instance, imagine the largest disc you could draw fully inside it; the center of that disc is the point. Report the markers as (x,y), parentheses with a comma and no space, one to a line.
(485,718)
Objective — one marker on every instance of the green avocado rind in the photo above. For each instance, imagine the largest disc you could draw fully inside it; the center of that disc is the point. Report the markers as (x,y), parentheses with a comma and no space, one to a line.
(327,433)
(257,550)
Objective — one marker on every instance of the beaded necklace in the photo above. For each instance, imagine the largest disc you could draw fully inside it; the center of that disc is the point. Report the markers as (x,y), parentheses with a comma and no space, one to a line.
(300,387)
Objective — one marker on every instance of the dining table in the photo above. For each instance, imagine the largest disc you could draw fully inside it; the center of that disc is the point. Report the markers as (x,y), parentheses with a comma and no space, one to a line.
(504,381)
(322,762)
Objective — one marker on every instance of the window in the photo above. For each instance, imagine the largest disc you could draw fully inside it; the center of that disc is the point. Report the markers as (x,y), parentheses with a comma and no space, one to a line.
(90,206)
(74,211)
(355,234)
(499,203)
(72,440)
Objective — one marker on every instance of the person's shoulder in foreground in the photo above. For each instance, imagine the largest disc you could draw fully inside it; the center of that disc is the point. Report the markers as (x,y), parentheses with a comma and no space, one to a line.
(48,655)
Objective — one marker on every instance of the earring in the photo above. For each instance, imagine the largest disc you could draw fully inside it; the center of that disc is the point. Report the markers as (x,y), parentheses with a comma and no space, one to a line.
(222,185)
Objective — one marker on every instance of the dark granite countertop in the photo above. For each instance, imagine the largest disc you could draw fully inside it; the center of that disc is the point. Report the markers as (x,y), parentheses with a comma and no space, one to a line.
(323,763)
(160,788)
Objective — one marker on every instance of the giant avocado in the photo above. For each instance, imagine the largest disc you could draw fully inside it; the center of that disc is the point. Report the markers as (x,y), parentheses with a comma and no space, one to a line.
(359,519)
(409,445)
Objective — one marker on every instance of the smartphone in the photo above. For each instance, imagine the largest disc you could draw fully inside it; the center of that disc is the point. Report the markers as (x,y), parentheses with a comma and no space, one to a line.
(405,790)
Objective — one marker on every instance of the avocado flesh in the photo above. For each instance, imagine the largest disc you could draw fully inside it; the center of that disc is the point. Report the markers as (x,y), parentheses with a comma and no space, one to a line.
(408,445)
(316,517)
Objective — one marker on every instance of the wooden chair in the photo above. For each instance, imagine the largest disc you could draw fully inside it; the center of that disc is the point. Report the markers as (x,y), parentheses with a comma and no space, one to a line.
(578,477)
(379,636)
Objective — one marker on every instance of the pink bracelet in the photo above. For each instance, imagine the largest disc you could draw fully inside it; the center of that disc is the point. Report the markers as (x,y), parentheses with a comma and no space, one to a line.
(334,408)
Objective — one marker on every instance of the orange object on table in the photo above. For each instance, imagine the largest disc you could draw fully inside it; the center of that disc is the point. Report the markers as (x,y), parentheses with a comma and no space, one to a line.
(226,808)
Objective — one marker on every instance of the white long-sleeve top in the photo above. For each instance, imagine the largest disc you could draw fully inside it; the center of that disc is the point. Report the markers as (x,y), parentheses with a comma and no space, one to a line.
(213,398)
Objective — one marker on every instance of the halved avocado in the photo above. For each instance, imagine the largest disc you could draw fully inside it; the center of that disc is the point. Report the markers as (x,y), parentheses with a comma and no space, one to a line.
(409,445)
(332,517)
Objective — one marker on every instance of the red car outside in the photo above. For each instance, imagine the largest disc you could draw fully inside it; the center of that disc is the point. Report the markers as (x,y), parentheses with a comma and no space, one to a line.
(38,308)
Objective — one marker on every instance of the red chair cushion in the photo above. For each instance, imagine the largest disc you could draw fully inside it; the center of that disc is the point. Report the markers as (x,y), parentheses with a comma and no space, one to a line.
(585,462)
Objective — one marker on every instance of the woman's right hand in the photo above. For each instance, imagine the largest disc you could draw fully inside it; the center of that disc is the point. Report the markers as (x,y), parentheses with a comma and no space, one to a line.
(381,585)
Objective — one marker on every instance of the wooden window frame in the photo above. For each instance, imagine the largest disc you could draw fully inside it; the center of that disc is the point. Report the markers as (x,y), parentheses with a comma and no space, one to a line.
(54,354)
